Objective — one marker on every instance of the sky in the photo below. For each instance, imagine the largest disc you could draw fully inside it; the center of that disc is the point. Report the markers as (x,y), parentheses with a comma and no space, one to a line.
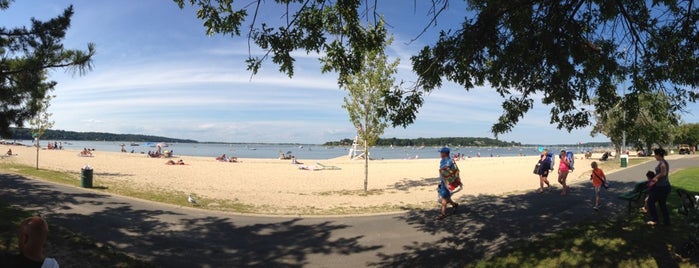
(156,72)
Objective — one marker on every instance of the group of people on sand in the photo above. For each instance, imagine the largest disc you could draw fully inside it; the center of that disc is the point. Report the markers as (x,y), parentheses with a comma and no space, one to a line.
(224,158)
(158,154)
(55,146)
(86,152)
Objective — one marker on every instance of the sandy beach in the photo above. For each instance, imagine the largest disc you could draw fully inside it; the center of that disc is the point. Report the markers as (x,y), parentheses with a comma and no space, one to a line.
(278,187)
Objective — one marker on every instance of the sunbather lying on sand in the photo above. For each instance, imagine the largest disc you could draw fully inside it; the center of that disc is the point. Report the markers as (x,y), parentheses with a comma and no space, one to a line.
(171,162)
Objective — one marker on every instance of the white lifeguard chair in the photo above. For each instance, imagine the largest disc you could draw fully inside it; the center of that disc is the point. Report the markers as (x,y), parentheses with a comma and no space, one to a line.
(356,152)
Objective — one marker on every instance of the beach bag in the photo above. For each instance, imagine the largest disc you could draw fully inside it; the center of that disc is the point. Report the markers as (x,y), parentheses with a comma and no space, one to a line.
(450,175)
(536,168)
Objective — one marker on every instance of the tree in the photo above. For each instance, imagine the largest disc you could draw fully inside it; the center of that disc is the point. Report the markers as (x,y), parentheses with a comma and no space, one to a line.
(26,55)
(609,122)
(566,51)
(363,102)
(688,134)
(654,125)
(40,123)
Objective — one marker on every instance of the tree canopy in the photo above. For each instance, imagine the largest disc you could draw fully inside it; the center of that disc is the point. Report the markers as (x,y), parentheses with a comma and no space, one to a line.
(27,54)
(654,123)
(561,52)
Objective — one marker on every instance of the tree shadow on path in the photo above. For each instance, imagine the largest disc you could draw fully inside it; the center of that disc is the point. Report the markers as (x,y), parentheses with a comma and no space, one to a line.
(485,225)
(176,239)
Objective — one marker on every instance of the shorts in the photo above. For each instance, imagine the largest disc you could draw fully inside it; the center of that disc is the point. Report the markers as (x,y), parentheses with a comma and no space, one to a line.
(544,172)
(443,192)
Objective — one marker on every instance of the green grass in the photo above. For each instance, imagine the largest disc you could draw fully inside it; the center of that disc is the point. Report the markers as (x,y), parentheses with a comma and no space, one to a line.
(620,242)
(45,174)
(153,194)
(69,249)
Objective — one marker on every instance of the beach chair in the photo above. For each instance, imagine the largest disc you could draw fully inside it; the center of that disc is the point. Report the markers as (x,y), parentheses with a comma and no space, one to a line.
(328,167)
(636,195)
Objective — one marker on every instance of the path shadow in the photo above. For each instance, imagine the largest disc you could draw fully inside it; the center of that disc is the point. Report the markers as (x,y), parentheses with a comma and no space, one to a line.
(485,225)
(169,239)
(407,184)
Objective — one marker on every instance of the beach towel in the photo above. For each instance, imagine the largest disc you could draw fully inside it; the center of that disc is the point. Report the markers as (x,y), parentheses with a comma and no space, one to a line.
(451,177)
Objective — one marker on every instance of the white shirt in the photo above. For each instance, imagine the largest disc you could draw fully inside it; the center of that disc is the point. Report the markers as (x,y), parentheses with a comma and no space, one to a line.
(49,263)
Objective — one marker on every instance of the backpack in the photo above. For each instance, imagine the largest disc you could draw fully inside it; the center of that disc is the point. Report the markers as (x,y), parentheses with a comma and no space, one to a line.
(551,160)
(571,158)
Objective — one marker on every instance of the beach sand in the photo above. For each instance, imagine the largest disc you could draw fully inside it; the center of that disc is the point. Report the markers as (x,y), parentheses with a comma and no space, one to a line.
(277,187)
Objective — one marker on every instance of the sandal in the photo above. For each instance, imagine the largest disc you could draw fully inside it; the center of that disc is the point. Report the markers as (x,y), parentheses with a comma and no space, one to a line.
(440,217)
(651,223)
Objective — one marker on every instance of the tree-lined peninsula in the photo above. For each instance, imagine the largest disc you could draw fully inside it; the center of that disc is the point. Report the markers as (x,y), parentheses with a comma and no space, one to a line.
(452,141)
(26,134)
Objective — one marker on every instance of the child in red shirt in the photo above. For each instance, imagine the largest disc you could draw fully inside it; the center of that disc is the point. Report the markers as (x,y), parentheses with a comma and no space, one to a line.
(598,179)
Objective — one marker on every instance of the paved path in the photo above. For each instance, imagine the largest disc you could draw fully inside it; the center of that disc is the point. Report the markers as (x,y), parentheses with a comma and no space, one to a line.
(172,236)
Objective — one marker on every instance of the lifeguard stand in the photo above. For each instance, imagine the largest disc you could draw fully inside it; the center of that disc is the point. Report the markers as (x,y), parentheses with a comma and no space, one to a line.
(357,151)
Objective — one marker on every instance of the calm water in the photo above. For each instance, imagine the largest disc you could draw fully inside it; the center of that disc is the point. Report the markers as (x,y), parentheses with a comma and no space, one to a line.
(306,151)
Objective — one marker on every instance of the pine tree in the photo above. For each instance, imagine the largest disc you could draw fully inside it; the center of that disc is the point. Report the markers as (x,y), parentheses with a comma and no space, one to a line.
(26,56)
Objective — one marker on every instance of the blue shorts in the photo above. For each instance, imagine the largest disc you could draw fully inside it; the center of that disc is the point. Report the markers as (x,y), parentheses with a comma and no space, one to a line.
(443,192)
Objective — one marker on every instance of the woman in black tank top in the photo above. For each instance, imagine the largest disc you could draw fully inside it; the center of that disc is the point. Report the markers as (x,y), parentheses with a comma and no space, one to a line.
(661,189)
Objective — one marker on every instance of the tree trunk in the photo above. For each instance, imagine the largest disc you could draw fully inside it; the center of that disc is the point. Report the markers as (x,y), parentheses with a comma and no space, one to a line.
(37,153)
(366,166)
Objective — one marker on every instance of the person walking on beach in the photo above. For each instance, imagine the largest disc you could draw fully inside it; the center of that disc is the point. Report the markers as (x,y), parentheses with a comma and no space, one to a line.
(563,170)
(598,179)
(660,190)
(446,166)
(543,172)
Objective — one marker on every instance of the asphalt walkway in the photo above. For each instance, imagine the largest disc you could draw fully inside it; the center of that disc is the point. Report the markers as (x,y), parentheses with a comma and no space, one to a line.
(172,236)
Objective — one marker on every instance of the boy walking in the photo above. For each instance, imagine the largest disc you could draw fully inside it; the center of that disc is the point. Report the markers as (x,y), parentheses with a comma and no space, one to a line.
(446,165)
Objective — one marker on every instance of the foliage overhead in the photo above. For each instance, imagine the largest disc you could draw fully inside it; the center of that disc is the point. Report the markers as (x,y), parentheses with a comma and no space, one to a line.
(26,56)
(563,53)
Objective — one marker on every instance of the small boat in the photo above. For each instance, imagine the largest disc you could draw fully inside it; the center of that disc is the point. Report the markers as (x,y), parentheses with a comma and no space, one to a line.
(134,144)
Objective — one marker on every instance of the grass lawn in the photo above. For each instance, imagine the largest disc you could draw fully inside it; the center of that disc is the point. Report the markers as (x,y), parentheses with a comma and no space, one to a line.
(622,242)
(69,249)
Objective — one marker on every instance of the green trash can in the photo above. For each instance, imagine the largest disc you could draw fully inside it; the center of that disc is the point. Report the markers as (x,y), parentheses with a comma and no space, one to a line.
(86,177)
(624,160)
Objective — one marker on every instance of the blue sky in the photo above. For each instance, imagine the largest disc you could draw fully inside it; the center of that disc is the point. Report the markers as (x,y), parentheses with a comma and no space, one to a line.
(157,73)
